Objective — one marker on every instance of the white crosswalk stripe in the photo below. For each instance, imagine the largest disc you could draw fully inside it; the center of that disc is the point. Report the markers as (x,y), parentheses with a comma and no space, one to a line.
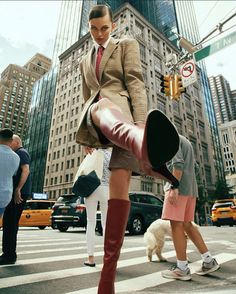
(20,280)
(49,244)
(66,250)
(76,248)
(152,280)
(67,257)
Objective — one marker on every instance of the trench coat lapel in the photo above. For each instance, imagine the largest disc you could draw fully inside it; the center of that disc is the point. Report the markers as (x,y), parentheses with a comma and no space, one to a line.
(106,55)
(90,66)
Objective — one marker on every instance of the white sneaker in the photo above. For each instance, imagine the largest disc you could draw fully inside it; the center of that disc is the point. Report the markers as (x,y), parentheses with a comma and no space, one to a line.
(177,274)
(208,267)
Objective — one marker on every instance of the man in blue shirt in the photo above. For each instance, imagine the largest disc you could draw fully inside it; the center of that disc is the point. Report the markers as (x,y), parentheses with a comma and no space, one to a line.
(9,163)
(22,191)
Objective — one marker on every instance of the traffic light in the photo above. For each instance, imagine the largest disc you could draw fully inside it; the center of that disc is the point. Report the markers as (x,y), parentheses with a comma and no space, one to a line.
(177,87)
(166,84)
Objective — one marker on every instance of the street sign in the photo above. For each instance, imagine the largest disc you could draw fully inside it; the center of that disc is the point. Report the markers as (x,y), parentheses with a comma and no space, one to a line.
(215,47)
(188,73)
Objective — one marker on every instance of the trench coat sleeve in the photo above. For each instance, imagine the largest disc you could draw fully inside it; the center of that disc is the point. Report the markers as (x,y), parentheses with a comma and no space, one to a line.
(134,80)
(86,93)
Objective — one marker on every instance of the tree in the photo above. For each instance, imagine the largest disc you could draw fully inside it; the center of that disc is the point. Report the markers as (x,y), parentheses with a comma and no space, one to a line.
(222,190)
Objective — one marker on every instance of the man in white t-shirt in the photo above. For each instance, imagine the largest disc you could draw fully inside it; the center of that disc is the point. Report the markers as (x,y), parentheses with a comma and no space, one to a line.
(9,163)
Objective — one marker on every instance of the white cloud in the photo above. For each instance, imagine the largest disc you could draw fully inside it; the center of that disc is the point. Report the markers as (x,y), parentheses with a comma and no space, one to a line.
(29,27)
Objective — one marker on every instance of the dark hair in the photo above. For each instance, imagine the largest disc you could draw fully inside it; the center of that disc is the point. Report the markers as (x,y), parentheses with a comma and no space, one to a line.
(100,11)
(6,135)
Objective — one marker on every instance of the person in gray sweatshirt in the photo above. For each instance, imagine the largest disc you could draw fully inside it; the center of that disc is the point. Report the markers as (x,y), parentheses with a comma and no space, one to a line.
(179,208)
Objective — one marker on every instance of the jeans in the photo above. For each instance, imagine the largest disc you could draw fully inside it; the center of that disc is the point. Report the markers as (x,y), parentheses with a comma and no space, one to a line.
(100,195)
(11,219)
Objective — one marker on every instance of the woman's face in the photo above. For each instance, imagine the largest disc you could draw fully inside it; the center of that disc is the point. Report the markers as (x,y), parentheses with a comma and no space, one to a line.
(101,28)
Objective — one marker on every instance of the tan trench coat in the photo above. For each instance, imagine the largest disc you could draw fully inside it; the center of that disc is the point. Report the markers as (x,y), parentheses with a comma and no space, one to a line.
(120,80)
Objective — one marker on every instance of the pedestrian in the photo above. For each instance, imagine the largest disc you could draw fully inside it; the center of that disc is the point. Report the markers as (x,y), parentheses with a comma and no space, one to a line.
(100,195)
(9,163)
(13,211)
(114,114)
(179,207)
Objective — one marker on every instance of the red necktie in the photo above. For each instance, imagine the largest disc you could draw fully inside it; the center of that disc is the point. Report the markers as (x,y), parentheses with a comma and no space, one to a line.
(98,60)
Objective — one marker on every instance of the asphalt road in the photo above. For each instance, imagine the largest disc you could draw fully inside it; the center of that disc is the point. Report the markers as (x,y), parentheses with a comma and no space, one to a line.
(52,262)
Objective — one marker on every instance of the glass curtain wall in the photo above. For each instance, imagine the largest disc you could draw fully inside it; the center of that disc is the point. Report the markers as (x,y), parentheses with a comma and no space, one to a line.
(40,115)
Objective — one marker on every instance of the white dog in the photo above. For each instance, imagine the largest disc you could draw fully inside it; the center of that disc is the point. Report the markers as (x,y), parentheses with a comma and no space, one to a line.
(155,238)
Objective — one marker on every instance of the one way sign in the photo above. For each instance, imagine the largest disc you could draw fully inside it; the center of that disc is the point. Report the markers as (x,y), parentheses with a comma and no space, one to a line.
(188,73)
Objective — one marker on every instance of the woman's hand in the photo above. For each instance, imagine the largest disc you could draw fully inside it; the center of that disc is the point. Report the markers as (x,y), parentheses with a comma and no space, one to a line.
(88,150)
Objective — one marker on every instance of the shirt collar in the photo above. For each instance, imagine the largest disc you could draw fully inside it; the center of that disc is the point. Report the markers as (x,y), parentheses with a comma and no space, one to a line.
(3,146)
(104,45)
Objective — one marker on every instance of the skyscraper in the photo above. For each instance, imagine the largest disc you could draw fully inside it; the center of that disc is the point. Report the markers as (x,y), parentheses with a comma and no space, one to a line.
(233,93)
(169,17)
(188,28)
(44,91)
(160,14)
(16,86)
(222,99)
(64,155)
(163,15)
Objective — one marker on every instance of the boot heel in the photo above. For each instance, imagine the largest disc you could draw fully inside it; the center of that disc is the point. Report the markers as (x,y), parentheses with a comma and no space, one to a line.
(162,139)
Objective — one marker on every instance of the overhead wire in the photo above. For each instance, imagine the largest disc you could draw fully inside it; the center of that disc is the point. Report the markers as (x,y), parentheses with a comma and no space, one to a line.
(213,37)
(209,12)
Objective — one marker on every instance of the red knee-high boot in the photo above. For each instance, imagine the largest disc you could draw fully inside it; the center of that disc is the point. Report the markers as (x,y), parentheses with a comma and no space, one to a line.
(153,145)
(116,222)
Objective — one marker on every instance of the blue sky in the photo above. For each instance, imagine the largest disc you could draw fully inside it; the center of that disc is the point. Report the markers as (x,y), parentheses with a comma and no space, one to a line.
(28,27)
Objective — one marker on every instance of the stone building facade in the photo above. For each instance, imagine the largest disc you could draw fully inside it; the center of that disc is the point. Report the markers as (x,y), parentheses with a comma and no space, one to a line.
(188,115)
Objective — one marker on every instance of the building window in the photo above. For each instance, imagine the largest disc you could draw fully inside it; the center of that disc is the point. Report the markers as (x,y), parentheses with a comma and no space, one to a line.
(139,29)
(161,106)
(202,130)
(205,153)
(208,175)
(225,138)
(142,52)
(156,43)
(190,124)
(146,186)
(157,63)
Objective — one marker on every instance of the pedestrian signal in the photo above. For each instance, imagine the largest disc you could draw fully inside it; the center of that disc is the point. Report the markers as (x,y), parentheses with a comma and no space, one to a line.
(177,87)
(166,84)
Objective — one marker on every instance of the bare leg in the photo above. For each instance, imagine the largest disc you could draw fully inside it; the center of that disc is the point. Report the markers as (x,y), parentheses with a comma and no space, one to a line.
(179,239)
(119,184)
(195,236)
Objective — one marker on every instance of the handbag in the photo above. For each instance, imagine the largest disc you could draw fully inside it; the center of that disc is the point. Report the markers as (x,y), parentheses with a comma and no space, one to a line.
(85,185)
(88,176)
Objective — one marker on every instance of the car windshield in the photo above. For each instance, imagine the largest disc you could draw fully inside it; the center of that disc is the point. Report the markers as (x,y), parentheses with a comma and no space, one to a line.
(221,205)
(67,199)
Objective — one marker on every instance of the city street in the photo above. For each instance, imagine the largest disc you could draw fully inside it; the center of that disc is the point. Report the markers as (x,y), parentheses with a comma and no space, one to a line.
(52,262)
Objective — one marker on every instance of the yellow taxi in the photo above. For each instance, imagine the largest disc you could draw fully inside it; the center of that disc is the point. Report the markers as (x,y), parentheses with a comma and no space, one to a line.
(223,212)
(37,213)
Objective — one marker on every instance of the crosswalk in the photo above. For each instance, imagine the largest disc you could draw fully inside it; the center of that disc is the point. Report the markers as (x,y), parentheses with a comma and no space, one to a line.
(57,264)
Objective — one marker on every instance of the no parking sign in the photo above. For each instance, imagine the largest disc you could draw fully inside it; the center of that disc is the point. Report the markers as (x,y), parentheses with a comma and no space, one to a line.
(188,73)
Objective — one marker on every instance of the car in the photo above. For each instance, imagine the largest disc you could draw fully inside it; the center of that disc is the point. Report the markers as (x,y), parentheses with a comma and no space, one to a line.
(68,211)
(145,208)
(37,213)
(223,212)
